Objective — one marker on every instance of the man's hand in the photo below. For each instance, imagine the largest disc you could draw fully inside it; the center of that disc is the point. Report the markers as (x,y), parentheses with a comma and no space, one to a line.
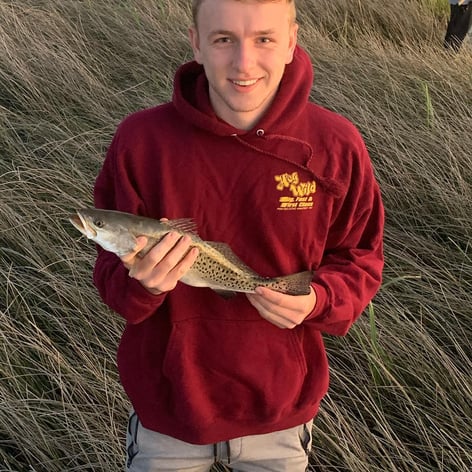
(162,267)
(284,311)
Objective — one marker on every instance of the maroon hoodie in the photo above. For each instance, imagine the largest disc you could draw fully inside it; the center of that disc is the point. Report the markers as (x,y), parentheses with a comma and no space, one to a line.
(297,192)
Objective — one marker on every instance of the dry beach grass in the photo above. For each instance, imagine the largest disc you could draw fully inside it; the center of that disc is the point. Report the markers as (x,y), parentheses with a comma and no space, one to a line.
(401,392)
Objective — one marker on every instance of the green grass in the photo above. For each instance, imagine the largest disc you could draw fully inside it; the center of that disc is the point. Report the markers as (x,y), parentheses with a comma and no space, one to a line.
(401,388)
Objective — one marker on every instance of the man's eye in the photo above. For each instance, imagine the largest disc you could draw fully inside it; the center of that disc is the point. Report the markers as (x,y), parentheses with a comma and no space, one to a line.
(223,40)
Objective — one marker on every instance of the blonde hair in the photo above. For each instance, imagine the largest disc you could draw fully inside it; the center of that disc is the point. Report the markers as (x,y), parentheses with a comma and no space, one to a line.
(196,7)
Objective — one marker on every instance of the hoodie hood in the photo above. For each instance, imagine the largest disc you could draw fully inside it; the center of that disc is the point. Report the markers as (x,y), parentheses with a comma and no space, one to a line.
(192,101)
(277,134)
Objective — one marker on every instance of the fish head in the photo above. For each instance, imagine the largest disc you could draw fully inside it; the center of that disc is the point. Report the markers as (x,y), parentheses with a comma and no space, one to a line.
(109,229)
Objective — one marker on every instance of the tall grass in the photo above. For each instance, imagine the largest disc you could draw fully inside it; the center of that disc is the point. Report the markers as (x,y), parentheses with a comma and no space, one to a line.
(401,388)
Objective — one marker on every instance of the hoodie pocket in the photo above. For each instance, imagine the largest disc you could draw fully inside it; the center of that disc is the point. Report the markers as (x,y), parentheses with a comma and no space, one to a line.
(234,370)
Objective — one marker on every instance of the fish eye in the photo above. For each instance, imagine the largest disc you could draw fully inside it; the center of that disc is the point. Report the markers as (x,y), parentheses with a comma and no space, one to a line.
(99,223)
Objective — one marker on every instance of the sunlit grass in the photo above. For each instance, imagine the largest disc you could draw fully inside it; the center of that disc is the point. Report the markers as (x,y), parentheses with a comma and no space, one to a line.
(401,387)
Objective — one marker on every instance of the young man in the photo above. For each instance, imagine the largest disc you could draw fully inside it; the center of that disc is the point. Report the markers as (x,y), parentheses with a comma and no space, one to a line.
(459,24)
(290,187)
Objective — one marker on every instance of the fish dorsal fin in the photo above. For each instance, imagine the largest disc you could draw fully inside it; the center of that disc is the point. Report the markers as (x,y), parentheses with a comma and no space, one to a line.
(227,252)
(186,225)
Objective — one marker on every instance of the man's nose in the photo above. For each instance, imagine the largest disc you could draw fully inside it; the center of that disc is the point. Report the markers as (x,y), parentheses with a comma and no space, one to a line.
(244,57)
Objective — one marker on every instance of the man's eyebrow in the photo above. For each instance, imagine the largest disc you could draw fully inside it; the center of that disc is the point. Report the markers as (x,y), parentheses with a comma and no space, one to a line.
(219,33)
(264,32)
(223,32)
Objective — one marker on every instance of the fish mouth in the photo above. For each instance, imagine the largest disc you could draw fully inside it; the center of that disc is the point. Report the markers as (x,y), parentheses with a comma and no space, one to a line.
(81,224)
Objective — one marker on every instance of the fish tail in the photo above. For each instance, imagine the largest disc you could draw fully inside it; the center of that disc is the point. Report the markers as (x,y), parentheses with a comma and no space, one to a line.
(294,284)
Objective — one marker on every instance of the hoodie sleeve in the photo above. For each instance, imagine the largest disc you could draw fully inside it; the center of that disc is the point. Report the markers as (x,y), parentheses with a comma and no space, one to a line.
(350,272)
(114,190)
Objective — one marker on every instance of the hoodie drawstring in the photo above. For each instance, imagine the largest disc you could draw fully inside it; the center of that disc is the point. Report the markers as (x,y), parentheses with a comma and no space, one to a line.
(329,185)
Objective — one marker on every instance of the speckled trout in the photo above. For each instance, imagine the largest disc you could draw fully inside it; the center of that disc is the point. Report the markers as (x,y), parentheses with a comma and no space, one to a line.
(216,267)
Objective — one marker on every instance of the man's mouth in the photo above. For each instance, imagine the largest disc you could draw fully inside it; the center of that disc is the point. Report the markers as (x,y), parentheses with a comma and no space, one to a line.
(244,83)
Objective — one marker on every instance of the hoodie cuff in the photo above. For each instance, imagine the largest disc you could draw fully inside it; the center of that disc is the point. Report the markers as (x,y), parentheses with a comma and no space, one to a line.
(145,296)
(140,303)
(321,301)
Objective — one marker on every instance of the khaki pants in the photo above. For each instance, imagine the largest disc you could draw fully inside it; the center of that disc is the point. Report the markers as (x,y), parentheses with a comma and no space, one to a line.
(148,451)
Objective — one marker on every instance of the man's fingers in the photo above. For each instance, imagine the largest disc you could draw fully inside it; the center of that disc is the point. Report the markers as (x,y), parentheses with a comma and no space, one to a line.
(155,256)
(184,265)
(159,282)
(163,266)
(284,311)
(266,312)
(175,253)
(281,322)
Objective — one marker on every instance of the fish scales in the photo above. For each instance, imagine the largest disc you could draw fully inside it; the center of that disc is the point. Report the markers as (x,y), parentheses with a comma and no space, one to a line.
(216,267)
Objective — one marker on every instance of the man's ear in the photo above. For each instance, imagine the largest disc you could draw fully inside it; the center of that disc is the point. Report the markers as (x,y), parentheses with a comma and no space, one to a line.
(195,43)
(292,42)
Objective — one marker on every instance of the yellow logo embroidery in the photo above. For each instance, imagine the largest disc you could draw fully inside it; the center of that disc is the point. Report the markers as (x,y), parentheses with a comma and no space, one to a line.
(300,197)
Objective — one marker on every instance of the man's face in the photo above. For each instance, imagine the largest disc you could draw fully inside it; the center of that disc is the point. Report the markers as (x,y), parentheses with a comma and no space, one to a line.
(243,47)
